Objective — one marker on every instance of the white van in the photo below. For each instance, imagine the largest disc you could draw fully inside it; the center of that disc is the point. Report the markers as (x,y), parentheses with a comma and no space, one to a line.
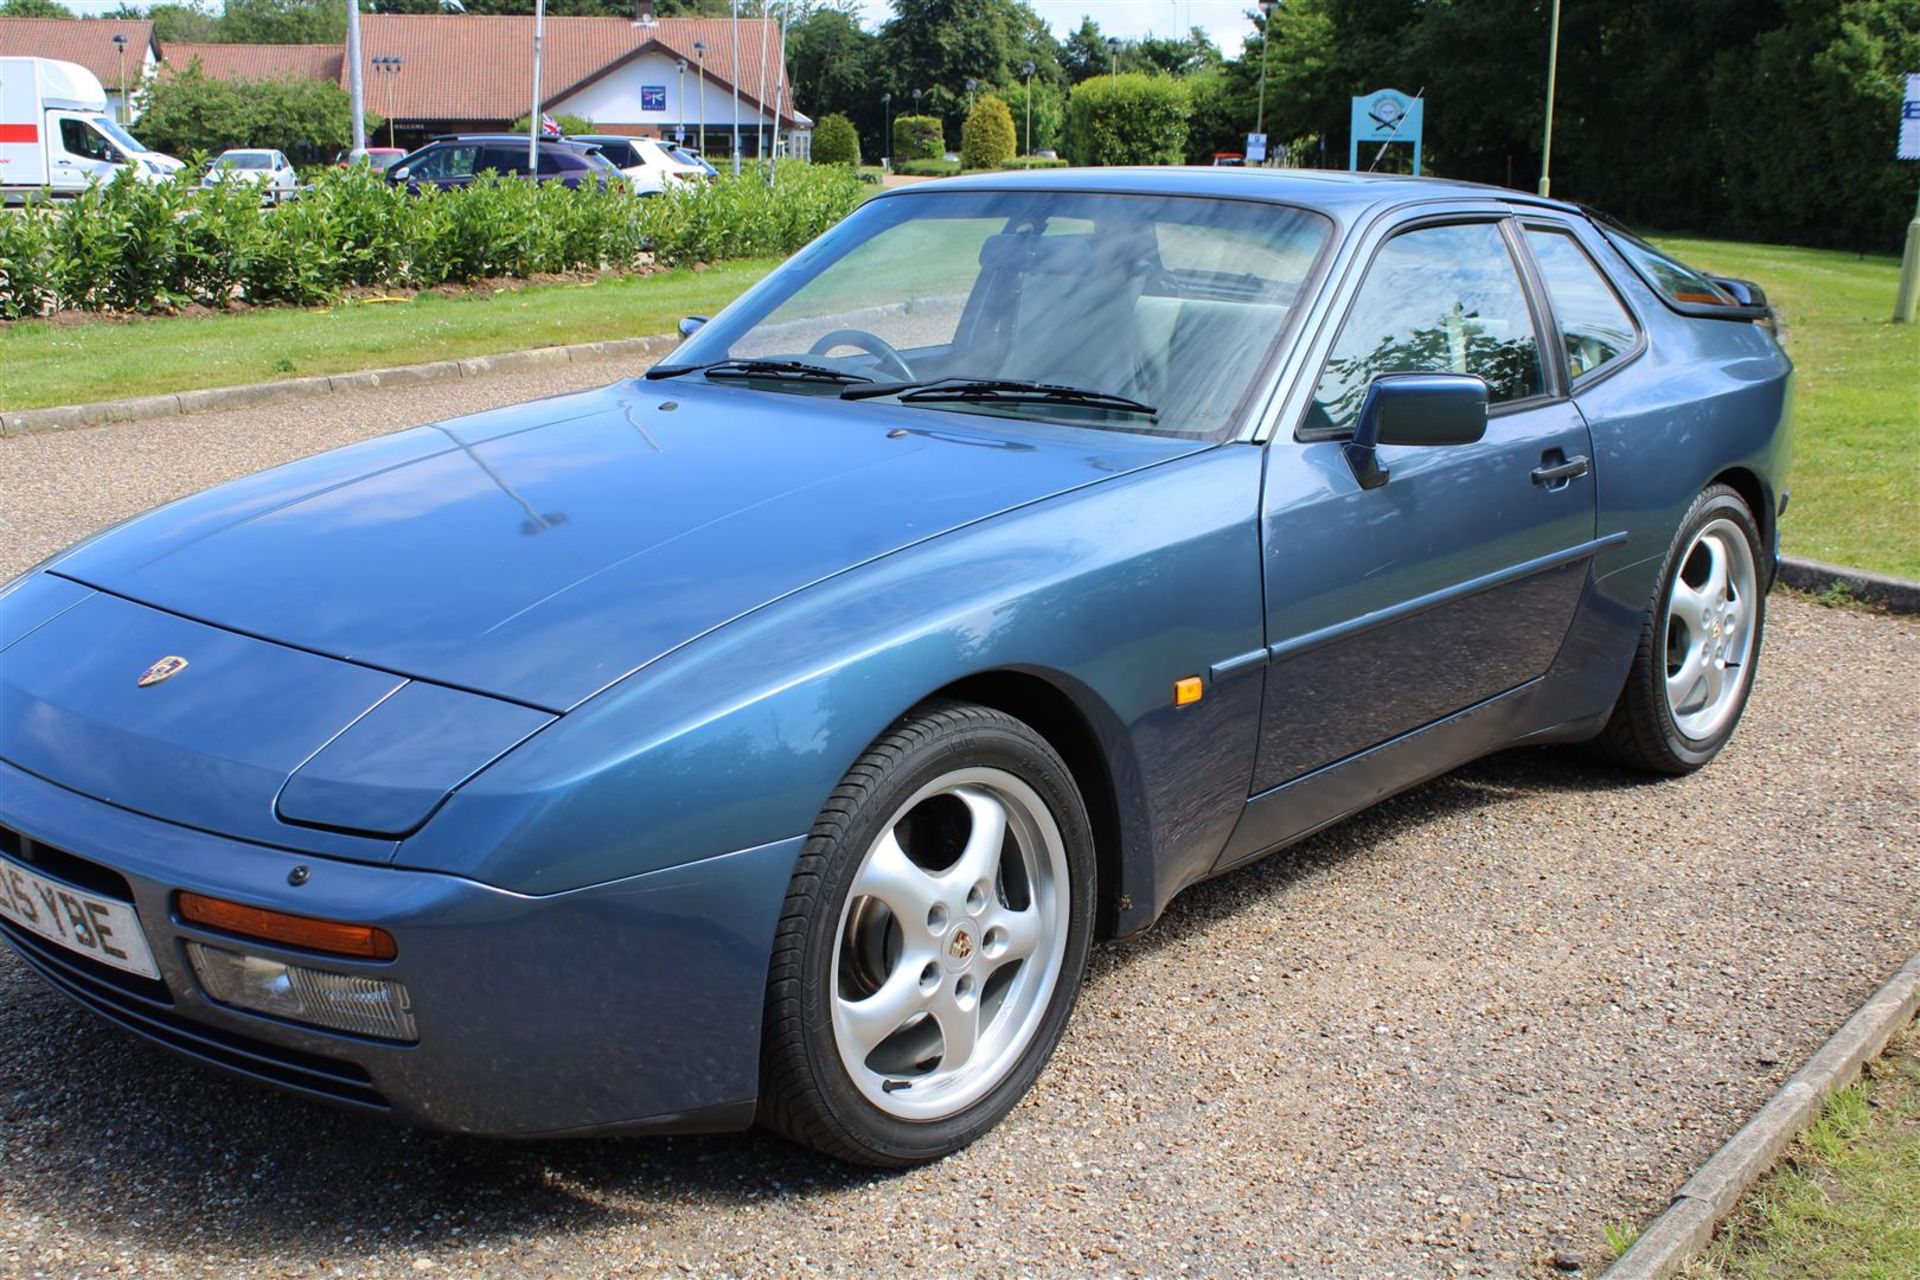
(56,135)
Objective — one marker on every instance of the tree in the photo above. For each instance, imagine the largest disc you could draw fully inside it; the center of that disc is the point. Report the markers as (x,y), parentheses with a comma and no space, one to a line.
(987,139)
(1175,55)
(1084,54)
(835,141)
(282,22)
(936,46)
(832,61)
(34,9)
(1128,119)
(187,112)
(569,124)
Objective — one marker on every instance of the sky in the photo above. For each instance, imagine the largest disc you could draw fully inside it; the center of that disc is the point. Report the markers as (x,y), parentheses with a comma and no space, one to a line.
(1224,20)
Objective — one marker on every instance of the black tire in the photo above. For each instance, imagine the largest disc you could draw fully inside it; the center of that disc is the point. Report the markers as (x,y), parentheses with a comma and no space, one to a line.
(1641,734)
(806,1092)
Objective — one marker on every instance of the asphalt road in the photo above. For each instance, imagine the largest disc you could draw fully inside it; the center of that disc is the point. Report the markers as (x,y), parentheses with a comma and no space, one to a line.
(1451,1036)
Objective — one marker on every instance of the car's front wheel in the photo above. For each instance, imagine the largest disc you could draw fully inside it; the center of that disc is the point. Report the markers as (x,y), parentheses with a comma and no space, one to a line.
(1699,645)
(933,940)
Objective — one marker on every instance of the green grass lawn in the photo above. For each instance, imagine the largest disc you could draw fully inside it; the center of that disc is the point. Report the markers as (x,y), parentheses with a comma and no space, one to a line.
(1855,473)
(1845,1205)
(44,364)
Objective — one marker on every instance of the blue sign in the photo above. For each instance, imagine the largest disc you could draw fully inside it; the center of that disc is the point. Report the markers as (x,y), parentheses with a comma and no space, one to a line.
(1385,115)
(653,97)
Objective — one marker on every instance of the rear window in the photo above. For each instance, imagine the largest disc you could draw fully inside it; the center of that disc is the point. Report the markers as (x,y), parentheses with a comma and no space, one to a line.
(1672,279)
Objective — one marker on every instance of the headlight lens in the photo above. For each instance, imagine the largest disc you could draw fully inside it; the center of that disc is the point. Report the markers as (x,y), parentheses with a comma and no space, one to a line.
(344,1002)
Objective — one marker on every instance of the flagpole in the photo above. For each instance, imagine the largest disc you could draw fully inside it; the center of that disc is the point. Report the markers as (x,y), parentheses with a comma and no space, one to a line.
(735,77)
(533,117)
(760,87)
(356,84)
(779,91)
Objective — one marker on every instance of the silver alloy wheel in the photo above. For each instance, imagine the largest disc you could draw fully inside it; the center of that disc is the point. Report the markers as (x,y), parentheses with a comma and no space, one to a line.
(950,944)
(1710,629)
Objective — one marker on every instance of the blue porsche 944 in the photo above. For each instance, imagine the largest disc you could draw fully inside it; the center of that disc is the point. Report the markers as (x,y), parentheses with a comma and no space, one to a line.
(769,737)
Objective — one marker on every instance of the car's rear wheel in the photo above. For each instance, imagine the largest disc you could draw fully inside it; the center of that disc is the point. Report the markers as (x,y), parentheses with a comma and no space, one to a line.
(1699,645)
(933,940)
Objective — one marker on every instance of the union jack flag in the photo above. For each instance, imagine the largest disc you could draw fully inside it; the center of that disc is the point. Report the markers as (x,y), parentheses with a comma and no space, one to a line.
(549,127)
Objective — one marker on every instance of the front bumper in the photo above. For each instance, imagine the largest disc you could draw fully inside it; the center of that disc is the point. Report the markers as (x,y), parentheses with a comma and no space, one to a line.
(628,1006)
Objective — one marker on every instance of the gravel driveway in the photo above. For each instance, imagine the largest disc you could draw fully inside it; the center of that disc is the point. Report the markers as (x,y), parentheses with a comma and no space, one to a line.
(1451,1036)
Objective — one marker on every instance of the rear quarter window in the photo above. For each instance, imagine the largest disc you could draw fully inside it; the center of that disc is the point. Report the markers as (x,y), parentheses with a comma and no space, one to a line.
(1670,278)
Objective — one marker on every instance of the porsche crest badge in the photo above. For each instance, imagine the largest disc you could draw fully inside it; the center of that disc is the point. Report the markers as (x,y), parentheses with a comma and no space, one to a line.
(165,669)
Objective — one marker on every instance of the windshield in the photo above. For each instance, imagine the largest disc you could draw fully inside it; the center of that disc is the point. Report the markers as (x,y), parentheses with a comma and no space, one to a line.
(245,160)
(126,141)
(1167,301)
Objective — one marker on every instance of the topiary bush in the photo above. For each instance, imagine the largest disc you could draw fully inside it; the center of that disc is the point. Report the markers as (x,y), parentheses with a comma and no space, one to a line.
(1128,119)
(918,138)
(986,140)
(836,141)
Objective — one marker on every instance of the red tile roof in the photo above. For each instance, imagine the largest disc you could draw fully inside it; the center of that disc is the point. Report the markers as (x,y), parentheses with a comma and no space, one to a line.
(480,67)
(256,61)
(88,42)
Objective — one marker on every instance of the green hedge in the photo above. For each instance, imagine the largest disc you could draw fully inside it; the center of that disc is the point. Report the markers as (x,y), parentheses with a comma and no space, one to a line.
(918,138)
(130,246)
(986,140)
(1128,119)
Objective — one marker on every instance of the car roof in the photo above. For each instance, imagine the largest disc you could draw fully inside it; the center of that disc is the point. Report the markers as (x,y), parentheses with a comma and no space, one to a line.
(574,142)
(1334,190)
(249,151)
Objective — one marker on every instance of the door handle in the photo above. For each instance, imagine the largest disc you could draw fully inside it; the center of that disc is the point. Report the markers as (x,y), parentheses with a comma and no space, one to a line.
(1557,475)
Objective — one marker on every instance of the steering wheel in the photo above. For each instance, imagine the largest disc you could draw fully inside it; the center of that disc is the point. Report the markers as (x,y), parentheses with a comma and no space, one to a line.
(872,344)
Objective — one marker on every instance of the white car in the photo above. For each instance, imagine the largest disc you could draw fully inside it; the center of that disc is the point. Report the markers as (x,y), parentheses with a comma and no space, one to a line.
(650,165)
(271,171)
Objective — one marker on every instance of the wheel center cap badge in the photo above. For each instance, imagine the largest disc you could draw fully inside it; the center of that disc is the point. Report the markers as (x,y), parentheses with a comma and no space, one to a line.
(962,945)
(165,669)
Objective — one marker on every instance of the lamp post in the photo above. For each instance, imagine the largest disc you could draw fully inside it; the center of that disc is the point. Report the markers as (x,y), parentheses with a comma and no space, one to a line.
(1546,137)
(120,46)
(1113,56)
(1266,44)
(1027,70)
(680,126)
(972,84)
(886,128)
(389,67)
(700,56)
(760,92)
(356,85)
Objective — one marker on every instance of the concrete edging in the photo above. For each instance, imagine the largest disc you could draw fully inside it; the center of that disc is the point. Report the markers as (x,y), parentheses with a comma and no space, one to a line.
(1901,595)
(20,422)
(1710,1194)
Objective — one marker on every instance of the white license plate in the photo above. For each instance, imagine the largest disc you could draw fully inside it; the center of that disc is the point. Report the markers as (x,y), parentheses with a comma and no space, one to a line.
(98,928)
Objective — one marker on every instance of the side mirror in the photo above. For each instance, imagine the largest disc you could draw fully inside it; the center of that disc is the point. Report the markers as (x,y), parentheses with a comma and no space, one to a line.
(690,325)
(400,174)
(1414,409)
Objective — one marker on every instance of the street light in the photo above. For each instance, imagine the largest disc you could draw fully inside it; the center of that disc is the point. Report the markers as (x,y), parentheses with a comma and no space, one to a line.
(1546,138)
(972,84)
(389,67)
(120,45)
(1027,70)
(1113,56)
(1266,45)
(680,126)
(736,88)
(700,56)
(886,127)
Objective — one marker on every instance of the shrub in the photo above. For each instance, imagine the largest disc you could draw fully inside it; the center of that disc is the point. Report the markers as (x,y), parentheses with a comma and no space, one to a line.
(1128,119)
(918,138)
(928,168)
(1034,162)
(986,140)
(569,124)
(835,141)
(187,112)
(135,246)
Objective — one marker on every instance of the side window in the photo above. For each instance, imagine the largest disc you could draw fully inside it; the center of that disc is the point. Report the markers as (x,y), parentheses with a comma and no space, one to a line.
(80,140)
(505,160)
(430,164)
(1435,300)
(1594,325)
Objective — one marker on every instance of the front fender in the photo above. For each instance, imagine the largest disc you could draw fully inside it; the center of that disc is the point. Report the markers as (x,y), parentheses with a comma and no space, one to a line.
(1111,593)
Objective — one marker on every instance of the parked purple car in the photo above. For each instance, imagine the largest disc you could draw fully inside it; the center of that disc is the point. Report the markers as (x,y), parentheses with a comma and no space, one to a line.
(457,161)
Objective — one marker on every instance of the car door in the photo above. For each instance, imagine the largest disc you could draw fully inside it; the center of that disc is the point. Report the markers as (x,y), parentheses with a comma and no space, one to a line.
(1453,582)
(80,154)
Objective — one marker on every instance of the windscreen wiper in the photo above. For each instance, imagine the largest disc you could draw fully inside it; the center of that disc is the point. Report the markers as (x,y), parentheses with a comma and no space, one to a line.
(998,390)
(792,370)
